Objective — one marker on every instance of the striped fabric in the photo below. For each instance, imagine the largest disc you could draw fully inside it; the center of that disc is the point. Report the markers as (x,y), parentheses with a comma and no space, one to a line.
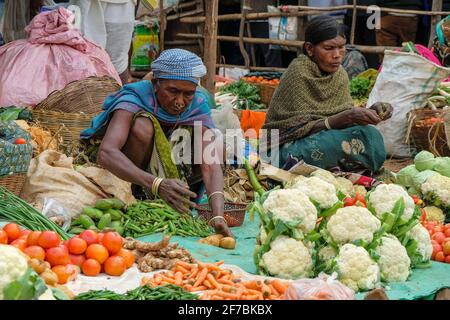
(178,64)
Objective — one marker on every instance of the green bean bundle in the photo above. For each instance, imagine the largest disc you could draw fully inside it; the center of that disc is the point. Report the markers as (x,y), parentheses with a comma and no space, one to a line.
(167,292)
(148,217)
(14,209)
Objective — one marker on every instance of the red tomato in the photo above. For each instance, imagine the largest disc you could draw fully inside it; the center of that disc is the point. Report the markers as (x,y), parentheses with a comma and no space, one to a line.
(436,248)
(439,228)
(440,257)
(13,231)
(77,246)
(25,232)
(447,259)
(57,256)
(77,259)
(49,239)
(349,201)
(447,232)
(33,238)
(20,244)
(113,242)
(359,197)
(446,248)
(3,237)
(35,252)
(90,236)
(20,141)
(447,226)
(439,237)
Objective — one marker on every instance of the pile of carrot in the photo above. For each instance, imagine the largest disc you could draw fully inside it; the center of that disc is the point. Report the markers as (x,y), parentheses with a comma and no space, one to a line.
(218,283)
(262,80)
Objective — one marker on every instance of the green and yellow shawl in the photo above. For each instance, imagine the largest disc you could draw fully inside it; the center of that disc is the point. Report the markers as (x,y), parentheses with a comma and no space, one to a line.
(305,96)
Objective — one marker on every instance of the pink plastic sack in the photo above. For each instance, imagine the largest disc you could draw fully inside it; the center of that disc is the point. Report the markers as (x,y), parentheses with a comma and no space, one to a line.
(323,287)
(54,54)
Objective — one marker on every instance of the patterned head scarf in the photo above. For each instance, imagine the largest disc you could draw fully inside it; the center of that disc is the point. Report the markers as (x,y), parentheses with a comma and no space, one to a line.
(178,64)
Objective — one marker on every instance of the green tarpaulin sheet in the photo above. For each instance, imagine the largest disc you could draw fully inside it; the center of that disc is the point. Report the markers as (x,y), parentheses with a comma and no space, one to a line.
(423,283)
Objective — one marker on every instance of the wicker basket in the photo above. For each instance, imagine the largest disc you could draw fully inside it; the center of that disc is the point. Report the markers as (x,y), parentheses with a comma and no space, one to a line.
(66,125)
(266,91)
(234,213)
(428,131)
(14,182)
(86,96)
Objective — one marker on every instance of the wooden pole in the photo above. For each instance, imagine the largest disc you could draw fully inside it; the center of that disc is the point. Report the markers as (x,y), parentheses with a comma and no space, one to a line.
(302,21)
(244,9)
(354,12)
(287,43)
(437,6)
(162,25)
(200,28)
(210,43)
(307,11)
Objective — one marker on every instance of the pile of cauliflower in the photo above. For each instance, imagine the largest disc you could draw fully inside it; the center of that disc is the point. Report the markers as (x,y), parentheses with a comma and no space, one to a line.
(364,246)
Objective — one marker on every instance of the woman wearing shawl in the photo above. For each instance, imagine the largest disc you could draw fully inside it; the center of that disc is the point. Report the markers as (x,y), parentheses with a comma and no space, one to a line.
(138,122)
(314,112)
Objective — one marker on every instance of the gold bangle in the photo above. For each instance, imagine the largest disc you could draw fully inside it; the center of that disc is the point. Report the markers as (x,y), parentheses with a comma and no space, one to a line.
(214,193)
(217,217)
(327,124)
(155,186)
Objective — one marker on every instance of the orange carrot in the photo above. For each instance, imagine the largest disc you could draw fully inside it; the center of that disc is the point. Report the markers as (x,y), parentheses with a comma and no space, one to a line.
(182,269)
(224,281)
(273,290)
(227,295)
(201,277)
(219,263)
(185,265)
(255,285)
(193,273)
(200,288)
(178,278)
(213,281)
(265,290)
(208,284)
(279,285)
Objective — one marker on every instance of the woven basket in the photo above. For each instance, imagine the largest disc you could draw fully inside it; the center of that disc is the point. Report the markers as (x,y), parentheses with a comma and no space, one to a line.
(234,213)
(86,96)
(66,125)
(266,91)
(428,131)
(14,182)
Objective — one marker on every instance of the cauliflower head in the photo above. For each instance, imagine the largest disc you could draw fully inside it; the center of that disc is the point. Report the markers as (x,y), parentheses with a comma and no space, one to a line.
(439,186)
(422,237)
(327,253)
(320,191)
(356,269)
(288,258)
(394,261)
(325,175)
(290,205)
(384,197)
(345,186)
(13,265)
(352,223)
(434,214)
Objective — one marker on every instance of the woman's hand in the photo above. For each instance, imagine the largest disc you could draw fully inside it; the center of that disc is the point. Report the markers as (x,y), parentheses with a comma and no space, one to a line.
(221,227)
(383,109)
(176,193)
(363,116)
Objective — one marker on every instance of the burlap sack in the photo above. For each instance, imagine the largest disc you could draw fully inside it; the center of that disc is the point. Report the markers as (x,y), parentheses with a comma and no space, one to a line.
(109,183)
(51,175)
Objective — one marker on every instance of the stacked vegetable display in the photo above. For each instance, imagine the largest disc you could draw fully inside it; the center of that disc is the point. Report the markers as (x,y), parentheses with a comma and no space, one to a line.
(307,229)
(241,95)
(429,178)
(89,252)
(147,217)
(440,239)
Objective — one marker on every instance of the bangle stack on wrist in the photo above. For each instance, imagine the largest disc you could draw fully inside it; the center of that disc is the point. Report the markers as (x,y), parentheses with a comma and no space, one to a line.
(155,186)
(214,193)
(327,124)
(215,218)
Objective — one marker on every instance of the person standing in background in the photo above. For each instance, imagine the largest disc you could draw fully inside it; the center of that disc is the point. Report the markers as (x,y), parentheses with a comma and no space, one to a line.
(397,28)
(110,24)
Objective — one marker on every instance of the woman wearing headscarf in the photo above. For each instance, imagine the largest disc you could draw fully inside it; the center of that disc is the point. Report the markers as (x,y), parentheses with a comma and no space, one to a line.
(314,113)
(138,127)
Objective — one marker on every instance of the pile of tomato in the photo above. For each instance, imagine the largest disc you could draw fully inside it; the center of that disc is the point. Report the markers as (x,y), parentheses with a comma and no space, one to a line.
(262,80)
(89,252)
(440,238)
